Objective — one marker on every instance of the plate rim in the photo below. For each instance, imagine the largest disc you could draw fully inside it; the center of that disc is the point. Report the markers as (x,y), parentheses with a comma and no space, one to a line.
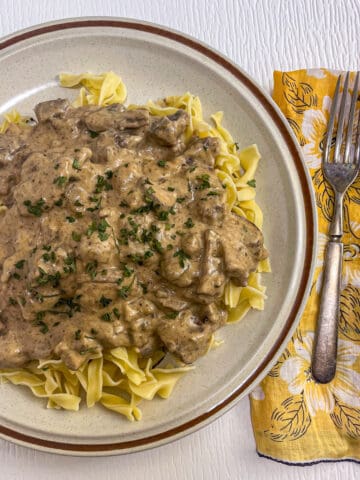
(310,245)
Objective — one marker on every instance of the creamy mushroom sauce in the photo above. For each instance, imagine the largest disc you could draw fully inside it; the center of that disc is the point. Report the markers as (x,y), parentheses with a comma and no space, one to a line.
(116,233)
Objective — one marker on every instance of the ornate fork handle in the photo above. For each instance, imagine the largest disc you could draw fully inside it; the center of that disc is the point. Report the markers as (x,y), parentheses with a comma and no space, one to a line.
(324,358)
(340,171)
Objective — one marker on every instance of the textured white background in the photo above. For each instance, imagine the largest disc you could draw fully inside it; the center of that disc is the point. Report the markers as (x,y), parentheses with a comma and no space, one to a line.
(260,35)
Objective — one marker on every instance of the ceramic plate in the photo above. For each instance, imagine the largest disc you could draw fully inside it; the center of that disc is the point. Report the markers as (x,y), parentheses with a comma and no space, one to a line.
(155,62)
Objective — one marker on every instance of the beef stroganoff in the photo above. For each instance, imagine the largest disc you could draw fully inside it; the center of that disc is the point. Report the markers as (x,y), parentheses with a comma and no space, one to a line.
(127,234)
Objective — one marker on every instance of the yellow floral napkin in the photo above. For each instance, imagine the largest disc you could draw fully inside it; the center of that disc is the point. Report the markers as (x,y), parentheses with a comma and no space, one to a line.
(295,419)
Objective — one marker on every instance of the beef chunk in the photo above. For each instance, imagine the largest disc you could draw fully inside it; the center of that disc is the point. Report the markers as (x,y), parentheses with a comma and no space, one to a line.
(51,108)
(212,279)
(169,129)
(115,117)
(243,251)
(186,336)
(204,150)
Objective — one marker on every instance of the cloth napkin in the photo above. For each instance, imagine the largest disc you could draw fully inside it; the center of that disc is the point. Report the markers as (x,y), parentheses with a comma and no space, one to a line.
(296,420)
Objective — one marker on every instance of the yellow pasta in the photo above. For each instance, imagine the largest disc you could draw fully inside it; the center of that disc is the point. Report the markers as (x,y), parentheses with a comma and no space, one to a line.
(120,379)
(103,89)
(12,117)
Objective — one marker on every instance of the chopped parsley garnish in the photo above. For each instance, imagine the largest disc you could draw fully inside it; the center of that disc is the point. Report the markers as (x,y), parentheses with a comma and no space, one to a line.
(96,206)
(76,236)
(171,189)
(212,193)
(45,278)
(203,181)
(139,259)
(60,181)
(123,203)
(182,256)
(39,322)
(193,168)
(102,184)
(252,183)
(49,257)
(109,174)
(93,134)
(70,219)
(104,302)
(70,264)
(163,215)
(116,312)
(103,236)
(76,164)
(99,227)
(37,208)
(189,223)
(12,301)
(77,335)
(172,315)
(180,199)
(133,223)
(156,245)
(143,209)
(148,192)
(102,226)
(93,331)
(91,269)
(127,271)
(123,292)
(16,276)
(20,264)
(71,306)
(236,145)
(78,203)
(161,163)
(106,317)
(59,202)
(170,246)
(126,235)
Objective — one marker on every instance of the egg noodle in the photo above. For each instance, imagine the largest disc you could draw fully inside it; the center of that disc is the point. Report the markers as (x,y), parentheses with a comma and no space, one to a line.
(120,379)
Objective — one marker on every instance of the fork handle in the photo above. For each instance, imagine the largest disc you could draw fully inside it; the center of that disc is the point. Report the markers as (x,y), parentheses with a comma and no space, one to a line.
(324,356)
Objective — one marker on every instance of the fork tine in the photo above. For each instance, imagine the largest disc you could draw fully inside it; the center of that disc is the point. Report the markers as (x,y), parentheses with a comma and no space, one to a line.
(340,129)
(330,128)
(348,142)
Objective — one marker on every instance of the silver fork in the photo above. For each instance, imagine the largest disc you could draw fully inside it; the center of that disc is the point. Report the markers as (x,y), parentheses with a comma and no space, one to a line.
(340,173)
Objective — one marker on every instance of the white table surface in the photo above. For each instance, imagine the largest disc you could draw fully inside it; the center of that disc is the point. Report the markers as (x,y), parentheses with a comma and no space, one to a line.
(260,35)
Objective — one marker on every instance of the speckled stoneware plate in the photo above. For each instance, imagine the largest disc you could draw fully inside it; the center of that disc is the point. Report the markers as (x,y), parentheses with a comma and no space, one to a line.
(154,62)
